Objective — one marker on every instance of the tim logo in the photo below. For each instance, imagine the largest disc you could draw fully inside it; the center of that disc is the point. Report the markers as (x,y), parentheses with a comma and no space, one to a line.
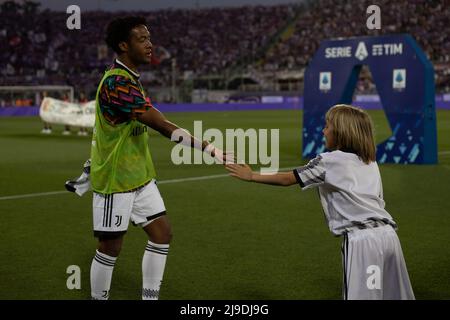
(374,279)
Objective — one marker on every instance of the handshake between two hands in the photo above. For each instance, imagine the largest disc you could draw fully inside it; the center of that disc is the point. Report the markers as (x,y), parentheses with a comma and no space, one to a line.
(221,156)
(241,171)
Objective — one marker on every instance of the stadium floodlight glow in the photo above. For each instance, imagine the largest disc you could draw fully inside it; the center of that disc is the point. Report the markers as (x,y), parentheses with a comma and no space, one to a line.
(404,79)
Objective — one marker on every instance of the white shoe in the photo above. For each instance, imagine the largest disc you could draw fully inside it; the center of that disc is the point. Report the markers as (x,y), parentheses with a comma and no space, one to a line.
(46,131)
(66,133)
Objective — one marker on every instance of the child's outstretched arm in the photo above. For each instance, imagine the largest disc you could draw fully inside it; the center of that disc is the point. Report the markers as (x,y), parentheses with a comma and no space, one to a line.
(244,172)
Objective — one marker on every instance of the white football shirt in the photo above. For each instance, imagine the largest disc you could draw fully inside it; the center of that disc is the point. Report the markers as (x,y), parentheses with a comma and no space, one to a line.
(350,191)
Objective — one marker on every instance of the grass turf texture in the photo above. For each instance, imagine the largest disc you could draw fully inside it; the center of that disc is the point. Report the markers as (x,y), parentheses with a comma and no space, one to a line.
(232,240)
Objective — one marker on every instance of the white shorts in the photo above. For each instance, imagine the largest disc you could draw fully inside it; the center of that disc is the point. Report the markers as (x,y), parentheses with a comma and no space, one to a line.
(112,212)
(374,267)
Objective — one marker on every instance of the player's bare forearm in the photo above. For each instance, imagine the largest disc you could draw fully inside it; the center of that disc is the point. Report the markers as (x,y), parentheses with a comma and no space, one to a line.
(157,121)
(244,172)
(278,179)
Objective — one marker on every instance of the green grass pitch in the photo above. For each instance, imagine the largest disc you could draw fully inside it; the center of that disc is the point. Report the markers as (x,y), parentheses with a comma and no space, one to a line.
(232,240)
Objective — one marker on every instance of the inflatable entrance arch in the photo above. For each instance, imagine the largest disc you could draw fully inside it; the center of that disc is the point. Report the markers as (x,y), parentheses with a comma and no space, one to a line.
(404,79)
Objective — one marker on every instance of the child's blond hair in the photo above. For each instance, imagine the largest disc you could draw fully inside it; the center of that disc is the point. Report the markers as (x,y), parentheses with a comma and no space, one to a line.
(352,130)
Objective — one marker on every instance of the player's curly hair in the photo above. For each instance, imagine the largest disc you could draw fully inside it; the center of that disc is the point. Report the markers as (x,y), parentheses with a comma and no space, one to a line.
(118,30)
(352,130)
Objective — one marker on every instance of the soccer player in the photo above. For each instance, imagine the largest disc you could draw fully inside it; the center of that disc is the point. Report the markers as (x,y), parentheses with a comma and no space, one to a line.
(121,172)
(351,194)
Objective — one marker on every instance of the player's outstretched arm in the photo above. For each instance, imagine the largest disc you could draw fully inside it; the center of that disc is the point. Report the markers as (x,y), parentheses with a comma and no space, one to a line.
(244,172)
(157,121)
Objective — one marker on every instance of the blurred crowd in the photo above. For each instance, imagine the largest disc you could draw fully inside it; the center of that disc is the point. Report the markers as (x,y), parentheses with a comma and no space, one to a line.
(425,20)
(37,48)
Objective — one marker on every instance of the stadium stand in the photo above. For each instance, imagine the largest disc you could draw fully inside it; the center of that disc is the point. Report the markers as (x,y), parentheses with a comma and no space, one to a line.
(36,47)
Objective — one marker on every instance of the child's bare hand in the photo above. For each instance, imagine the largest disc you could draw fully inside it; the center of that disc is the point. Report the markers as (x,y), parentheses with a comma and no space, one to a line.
(241,171)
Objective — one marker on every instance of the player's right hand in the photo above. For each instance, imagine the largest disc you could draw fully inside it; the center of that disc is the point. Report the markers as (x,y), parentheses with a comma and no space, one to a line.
(219,155)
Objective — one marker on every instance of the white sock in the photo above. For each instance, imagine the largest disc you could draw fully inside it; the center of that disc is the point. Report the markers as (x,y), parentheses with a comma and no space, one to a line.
(153,264)
(101,273)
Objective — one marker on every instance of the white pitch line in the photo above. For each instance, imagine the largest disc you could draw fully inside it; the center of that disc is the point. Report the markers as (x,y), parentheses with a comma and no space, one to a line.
(30,195)
(214,176)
